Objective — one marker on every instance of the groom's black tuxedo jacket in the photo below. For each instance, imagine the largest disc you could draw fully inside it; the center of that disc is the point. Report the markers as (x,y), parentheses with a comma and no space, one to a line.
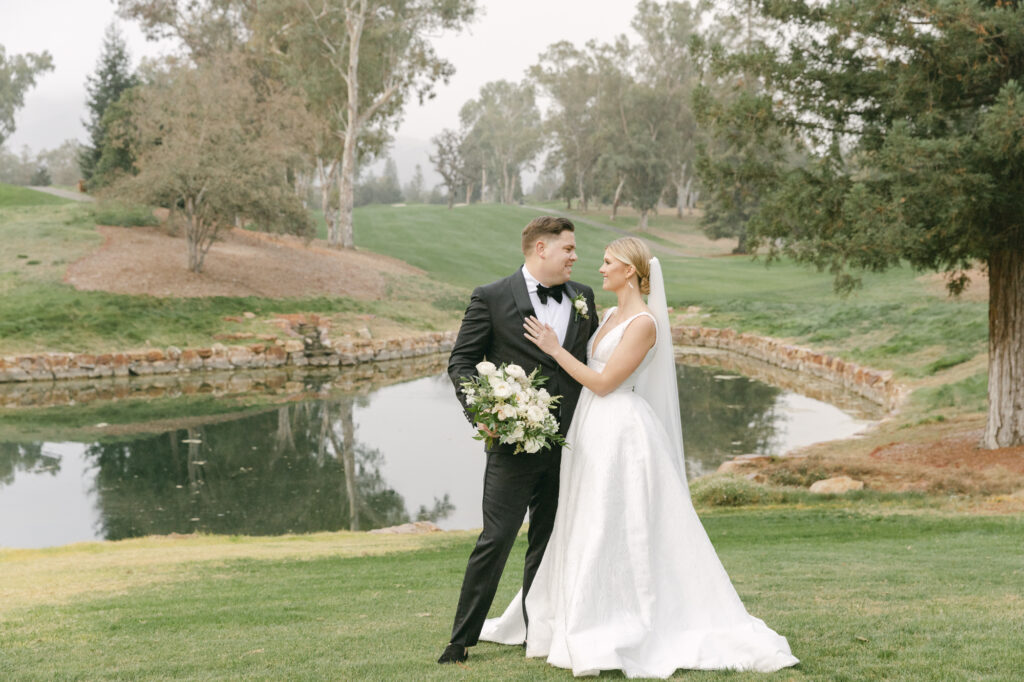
(492,329)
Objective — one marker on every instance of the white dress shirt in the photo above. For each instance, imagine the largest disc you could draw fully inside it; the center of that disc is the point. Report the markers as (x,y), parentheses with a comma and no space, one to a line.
(552,312)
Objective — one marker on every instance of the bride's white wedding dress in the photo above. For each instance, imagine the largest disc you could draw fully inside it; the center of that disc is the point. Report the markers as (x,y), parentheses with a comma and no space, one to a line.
(629,580)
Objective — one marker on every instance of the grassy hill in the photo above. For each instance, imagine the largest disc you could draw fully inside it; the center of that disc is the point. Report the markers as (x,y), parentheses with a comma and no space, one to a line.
(897,321)
(12,195)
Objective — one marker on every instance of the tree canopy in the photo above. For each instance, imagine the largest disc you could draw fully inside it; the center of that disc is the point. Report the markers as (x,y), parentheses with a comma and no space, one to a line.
(18,73)
(913,115)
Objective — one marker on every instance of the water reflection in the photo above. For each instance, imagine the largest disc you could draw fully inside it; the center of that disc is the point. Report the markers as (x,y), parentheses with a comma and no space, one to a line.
(295,469)
(314,460)
(725,414)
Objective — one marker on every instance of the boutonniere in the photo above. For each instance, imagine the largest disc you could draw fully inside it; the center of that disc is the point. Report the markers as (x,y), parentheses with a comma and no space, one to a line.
(579,304)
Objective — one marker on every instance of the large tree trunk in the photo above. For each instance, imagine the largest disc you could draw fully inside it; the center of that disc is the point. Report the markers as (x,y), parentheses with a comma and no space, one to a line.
(483,185)
(1005,425)
(198,234)
(343,234)
(469,192)
(741,243)
(643,219)
(582,193)
(327,178)
(618,197)
(506,190)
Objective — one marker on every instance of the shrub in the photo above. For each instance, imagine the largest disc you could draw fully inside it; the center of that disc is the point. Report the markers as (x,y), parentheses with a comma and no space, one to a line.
(124,215)
(731,491)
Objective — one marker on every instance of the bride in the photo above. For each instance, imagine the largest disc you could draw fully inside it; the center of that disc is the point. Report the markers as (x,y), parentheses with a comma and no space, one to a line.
(629,580)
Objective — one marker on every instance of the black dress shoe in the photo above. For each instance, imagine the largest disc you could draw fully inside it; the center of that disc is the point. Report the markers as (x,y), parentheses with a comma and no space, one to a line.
(454,653)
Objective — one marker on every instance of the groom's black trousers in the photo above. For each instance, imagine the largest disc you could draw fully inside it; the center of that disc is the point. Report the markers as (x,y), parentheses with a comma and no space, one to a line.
(513,484)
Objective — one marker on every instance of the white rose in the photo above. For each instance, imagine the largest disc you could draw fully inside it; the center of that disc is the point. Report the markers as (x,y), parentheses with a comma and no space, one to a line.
(486,368)
(515,371)
(517,434)
(581,306)
(522,397)
(543,397)
(533,445)
(506,411)
(502,389)
(536,414)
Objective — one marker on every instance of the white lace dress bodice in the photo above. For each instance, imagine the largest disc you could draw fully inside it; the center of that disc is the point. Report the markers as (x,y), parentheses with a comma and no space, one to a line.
(629,580)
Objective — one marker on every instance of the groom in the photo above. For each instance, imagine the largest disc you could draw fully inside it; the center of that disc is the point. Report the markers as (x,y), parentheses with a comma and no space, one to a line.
(492,329)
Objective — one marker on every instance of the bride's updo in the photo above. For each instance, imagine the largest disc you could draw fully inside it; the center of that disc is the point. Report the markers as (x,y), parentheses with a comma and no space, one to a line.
(633,251)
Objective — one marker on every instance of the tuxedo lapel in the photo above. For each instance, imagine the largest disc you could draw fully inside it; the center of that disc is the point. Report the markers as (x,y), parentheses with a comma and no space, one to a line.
(570,331)
(521,295)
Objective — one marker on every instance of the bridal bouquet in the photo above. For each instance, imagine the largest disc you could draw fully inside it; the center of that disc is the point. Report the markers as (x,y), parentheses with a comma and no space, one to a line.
(512,405)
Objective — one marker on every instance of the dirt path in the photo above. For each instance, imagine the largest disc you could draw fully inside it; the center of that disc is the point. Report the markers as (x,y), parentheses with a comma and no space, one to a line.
(63,193)
(142,260)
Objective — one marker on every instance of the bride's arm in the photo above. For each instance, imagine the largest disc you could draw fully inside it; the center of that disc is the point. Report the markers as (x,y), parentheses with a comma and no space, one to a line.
(636,341)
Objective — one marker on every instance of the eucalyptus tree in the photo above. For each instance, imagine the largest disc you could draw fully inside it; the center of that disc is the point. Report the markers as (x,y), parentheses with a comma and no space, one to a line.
(913,113)
(357,61)
(742,153)
(504,124)
(204,28)
(18,74)
(447,160)
(614,84)
(566,75)
(666,61)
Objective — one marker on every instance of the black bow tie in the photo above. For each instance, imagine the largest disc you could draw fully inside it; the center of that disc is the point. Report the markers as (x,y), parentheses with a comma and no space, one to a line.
(555,292)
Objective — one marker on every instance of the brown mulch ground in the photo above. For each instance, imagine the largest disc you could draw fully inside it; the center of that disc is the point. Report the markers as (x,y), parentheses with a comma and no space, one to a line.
(143,260)
(940,458)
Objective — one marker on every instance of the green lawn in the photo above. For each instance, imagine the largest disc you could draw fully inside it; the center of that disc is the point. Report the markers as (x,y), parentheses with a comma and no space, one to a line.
(896,321)
(859,595)
(12,195)
(40,312)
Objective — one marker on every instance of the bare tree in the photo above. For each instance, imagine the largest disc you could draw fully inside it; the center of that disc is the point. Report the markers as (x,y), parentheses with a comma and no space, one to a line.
(213,145)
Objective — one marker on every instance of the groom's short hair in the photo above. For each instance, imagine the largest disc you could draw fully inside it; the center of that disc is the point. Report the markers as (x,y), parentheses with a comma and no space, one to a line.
(544,226)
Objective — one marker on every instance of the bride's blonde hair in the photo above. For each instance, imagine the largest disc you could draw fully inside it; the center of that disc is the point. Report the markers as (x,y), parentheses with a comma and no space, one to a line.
(633,251)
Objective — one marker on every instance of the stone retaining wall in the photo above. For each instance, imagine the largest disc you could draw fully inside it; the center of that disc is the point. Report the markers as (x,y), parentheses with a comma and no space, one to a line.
(290,353)
(877,386)
(283,382)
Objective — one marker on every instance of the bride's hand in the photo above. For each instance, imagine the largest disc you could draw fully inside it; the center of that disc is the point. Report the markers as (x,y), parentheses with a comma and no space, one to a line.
(543,335)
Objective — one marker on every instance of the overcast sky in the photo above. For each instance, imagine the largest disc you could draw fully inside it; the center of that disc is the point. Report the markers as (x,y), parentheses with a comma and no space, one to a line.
(501,44)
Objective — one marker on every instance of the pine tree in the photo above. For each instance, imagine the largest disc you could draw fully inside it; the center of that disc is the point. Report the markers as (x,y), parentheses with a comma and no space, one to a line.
(112,78)
(912,117)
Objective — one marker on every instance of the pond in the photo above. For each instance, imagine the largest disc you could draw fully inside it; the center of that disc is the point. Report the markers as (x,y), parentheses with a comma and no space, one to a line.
(299,456)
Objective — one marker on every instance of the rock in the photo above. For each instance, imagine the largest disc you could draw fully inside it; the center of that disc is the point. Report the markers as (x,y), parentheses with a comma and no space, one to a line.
(416,528)
(364,333)
(736,464)
(248,315)
(294,346)
(836,485)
